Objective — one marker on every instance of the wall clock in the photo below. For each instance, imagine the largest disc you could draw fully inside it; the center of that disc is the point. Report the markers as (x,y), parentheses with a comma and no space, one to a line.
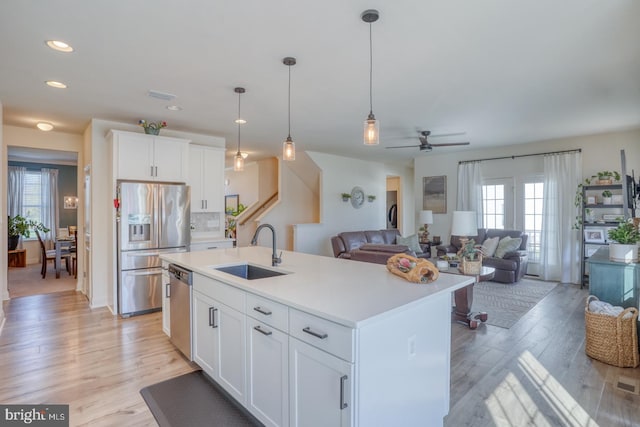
(357,197)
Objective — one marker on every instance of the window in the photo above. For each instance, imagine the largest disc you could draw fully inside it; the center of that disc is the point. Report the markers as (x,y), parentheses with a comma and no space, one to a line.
(533,203)
(493,206)
(32,196)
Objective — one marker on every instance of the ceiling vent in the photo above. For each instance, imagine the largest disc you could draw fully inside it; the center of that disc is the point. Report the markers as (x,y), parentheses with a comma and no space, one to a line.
(161,95)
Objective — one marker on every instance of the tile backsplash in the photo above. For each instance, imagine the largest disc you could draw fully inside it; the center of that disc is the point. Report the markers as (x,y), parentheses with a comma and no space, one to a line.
(206,222)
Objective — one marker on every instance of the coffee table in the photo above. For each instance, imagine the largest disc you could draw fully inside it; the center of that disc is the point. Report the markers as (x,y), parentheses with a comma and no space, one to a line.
(463,298)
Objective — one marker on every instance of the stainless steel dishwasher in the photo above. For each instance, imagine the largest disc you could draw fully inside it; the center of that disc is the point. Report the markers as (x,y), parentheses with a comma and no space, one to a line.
(180,295)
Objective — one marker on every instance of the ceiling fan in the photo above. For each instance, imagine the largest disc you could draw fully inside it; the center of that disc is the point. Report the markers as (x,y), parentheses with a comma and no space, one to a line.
(425,145)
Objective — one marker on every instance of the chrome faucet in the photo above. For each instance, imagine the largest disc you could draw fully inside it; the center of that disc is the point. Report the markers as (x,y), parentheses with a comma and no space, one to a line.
(275,259)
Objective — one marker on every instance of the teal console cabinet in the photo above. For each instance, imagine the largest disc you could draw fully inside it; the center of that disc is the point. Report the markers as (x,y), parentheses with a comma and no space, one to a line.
(614,282)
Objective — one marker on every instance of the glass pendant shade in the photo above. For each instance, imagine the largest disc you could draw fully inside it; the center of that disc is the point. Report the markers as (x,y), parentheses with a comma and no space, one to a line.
(371,131)
(238,163)
(289,149)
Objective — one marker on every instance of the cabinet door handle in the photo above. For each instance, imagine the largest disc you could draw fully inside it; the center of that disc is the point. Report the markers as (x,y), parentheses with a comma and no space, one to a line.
(320,335)
(206,204)
(167,291)
(262,331)
(343,380)
(212,317)
(151,173)
(262,311)
(156,168)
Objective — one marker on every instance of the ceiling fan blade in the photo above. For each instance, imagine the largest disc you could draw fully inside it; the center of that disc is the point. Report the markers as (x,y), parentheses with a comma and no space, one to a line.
(450,144)
(404,146)
(437,135)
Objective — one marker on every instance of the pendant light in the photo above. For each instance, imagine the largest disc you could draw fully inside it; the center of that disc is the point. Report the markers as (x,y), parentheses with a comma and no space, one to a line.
(289,147)
(238,160)
(371,125)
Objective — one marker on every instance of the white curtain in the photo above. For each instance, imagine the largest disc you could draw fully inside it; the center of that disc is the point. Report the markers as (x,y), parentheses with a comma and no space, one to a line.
(14,190)
(560,243)
(49,194)
(470,189)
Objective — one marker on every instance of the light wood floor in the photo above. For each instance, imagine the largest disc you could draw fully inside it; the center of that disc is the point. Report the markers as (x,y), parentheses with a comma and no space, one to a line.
(54,349)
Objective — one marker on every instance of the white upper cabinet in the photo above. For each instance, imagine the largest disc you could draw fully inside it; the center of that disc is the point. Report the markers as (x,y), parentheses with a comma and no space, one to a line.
(206,178)
(144,157)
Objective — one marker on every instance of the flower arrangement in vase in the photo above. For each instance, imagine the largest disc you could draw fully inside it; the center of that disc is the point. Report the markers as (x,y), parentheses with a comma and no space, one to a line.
(152,128)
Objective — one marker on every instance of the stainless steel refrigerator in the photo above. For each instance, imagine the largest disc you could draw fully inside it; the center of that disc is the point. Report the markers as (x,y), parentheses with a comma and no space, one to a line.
(153,218)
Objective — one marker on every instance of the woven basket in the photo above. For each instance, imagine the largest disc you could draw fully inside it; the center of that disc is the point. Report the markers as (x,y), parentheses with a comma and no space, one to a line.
(612,340)
(471,267)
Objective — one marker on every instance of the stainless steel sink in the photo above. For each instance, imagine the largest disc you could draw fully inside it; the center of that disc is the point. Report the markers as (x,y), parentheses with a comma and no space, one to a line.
(249,271)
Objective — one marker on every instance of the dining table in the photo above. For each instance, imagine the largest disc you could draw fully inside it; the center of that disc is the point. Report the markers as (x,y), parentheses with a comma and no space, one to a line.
(62,242)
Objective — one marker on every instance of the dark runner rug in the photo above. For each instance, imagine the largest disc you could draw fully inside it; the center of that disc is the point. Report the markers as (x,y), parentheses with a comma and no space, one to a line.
(507,303)
(194,400)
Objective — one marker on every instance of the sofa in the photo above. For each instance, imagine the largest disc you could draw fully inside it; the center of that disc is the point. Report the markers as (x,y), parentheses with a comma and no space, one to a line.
(374,246)
(511,267)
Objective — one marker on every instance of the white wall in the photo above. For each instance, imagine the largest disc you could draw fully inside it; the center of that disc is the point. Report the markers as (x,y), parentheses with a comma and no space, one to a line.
(244,183)
(297,204)
(340,175)
(599,152)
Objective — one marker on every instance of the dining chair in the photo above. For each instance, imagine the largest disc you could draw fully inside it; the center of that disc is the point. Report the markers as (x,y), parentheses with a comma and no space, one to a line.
(50,255)
(73,253)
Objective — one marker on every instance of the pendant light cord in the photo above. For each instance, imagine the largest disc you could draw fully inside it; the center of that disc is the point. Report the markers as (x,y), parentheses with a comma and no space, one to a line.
(370,71)
(238,124)
(289,113)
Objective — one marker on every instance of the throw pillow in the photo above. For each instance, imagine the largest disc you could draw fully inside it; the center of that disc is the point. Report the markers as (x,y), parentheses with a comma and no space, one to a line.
(506,245)
(490,245)
(411,241)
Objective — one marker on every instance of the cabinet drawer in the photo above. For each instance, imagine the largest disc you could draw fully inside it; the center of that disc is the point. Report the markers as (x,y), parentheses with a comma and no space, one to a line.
(321,333)
(270,312)
(224,293)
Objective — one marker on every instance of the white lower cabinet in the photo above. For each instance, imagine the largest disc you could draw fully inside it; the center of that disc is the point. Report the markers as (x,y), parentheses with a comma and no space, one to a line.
(320,387)
(220,343)
(268,373)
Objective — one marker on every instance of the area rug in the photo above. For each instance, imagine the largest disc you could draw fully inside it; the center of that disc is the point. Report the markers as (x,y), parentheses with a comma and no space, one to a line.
(507,303)
(194,400)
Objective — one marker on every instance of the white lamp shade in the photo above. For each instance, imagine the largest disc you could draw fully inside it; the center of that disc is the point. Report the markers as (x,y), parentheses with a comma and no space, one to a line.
(464,223)
(426,217)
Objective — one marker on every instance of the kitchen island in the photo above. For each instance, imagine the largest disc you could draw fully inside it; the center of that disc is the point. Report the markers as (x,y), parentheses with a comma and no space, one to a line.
(330,342)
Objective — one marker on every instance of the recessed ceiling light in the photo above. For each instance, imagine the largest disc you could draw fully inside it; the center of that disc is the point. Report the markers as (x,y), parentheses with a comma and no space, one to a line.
(44,126)
(240,121)
(55,84)
(59,46)
(174,107)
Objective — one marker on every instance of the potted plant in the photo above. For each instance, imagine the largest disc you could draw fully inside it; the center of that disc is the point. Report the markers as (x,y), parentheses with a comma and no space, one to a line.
(605,177)
(346,197)
(21,226)
(470,257)
(624,245)
(606,197)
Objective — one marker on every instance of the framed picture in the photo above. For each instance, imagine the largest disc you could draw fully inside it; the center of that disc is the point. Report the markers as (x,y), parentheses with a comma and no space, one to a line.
(70,202)
(231,203)
(434,193)
(591,200)
(594,235)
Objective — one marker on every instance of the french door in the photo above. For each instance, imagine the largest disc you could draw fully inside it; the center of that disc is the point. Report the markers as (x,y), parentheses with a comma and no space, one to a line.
(516,203)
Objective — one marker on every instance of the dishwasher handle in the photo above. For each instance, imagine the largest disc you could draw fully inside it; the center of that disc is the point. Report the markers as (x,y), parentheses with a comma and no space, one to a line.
(181,274)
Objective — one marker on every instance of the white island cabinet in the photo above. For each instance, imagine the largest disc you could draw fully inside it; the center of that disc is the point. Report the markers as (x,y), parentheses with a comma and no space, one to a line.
(330,342)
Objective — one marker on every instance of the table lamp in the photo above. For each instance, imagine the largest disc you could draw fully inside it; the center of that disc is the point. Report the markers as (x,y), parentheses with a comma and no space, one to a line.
(426,218)
(464,224)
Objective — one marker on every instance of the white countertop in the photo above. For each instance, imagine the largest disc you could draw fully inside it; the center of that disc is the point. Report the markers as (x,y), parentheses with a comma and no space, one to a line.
(351,293)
